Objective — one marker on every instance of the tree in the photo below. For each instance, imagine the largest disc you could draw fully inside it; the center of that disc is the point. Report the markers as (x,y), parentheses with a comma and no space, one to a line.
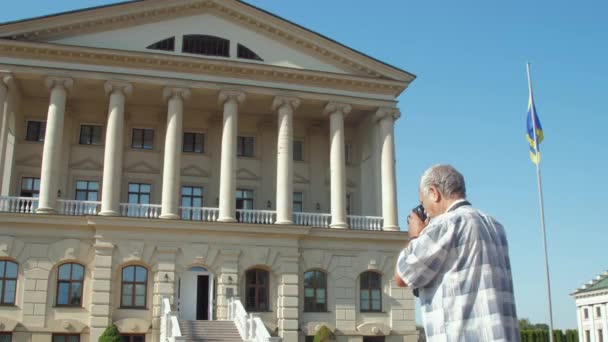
(324,335)
(111,334)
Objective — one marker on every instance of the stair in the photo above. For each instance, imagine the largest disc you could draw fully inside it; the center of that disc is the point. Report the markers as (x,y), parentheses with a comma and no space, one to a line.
(210,331)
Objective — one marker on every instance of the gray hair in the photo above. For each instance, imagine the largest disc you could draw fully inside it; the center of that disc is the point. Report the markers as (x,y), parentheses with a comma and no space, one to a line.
(446,179)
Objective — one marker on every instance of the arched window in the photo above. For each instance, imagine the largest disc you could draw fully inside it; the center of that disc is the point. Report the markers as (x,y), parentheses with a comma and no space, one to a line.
(244,52)
(315,291)
(206,45)
(134,286)
(370,292)
(8,282)
(70,278)
(164,45)
(257,284)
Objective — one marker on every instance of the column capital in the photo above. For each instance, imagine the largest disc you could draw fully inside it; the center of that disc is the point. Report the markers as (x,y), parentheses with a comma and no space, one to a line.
(170,92)
(231,95)
(335,107)
(64,82)
(387,112)
(6,78)
(281,100)
(116,85)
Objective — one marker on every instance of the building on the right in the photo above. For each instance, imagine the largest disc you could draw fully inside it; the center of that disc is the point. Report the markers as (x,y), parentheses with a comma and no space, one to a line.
(592,309)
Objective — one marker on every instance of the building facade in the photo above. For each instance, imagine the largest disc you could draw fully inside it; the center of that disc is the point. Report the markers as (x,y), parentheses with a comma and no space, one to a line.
(592,308)
(176,160)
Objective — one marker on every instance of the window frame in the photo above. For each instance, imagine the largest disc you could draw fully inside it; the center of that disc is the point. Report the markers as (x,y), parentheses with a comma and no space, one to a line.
(300,202)
(87,191)
(138,193)
(70,282)
(203,138)
(133,291)
(598,312)
(7,333)
(142,145)
(258,288)
(130,336)
(369,290)
(301,143)
(206,45)
(191,215)
(586,313)
(315,291)
(248,199)
(241,146)
(35,193)
(91,137)
(4,279)
(65,336)
(40,133)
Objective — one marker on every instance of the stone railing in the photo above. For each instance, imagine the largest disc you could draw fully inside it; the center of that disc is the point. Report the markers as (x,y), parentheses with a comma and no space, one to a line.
(23,205)
(312,219)
(256,216)
(78,208)
(140,210)
(169,325)
(365,222)
(199,214)
(251,328)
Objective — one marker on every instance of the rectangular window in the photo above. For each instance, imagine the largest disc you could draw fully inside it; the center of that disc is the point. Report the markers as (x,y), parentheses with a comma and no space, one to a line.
(585,313)
(587,336)
(598,312)
(90,135)
(5,337)
(349,199)
(192,197)
(600,335)
(348,153)
(143,138)
(245,146)
(66,338)
(133,337)
(298,202)
(309,339)
(30,187)
(194,142)
(87,190)
(244,199)
(298,150)
(373,338)
(35,131)
(139,193)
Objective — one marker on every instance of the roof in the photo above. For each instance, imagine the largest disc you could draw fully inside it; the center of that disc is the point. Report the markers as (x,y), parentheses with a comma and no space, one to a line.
(598,283)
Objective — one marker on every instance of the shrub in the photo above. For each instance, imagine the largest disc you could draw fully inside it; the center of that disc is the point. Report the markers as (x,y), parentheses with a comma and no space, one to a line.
(324,335)
(111,334)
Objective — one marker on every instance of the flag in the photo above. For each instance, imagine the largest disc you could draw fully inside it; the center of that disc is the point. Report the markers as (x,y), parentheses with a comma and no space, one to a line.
(534,138)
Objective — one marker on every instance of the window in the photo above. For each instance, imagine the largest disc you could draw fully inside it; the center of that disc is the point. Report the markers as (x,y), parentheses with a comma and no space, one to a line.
(598,312)
(164,45)
(370,292)
(244,147)
(143,138)
(30,187)
(69,284)
(206,45)
(139,193)
(349,199)
(585,313)
(8,282)
(298,150)
(348,153)
(35,130)
(133,290)
(90,135)
(587,336)
(133,337)
(66,338)
(5,336)
(245,53)
(309,339)
(194,142)
(298,202)
(87,190)
(244,199)
(373,338)
(192,197)
(257,290)
(315,291)
(600,335)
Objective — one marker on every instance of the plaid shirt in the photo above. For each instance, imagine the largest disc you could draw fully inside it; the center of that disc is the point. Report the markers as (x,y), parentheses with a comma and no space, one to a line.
(460,265)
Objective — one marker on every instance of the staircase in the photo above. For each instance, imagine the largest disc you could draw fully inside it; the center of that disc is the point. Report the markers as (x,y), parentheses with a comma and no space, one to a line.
(210,331)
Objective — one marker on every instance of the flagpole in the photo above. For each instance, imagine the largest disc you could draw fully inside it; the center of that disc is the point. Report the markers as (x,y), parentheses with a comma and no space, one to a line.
(542,207)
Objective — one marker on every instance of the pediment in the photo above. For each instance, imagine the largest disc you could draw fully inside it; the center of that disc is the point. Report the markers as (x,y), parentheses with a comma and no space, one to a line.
(141,167)
(34,160)
(136,25)
(245,174)
(86,164)
(299,179)
(194,171)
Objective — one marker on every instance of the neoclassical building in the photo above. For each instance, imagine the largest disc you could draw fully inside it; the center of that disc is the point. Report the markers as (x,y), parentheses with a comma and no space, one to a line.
(194,168)
(592,309)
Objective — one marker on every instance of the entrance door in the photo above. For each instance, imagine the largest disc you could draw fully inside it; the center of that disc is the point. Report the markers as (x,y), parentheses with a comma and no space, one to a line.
(196,295)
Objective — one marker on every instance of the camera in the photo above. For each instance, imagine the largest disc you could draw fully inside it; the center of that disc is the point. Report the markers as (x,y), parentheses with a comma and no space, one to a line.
(419,210)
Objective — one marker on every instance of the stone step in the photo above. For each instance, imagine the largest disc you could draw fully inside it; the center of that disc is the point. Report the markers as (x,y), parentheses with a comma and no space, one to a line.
(210,331)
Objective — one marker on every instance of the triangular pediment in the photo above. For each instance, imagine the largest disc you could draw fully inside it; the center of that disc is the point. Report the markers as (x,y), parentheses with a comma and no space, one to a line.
(86,164)
(141,167)
(135,26)
(194,171)
(245,174)
(34,160)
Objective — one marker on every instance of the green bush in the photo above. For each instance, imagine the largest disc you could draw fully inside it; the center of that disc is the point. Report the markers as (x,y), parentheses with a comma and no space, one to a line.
(111,334)
(324,335)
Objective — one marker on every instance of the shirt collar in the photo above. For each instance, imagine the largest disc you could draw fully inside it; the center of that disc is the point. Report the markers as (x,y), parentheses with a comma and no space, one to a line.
(455,203)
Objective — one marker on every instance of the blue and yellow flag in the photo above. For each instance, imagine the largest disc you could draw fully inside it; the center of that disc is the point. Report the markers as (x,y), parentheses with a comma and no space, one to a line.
(533,139)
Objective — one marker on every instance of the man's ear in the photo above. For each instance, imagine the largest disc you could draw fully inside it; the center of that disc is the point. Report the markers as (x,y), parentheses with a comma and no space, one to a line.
(434,194)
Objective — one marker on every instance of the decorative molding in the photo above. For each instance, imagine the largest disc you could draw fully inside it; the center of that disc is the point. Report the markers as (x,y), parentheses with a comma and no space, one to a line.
(387,112)
(52,82)
(171,92)
(141,167)
(337,107)
(33,160)
(231,95)
(299,179)
(245,174)
(280,101)
(194,171)
(87,164)
(116,85)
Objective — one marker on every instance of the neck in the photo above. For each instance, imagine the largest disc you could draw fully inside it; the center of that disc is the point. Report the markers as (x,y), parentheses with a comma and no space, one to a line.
(448,203)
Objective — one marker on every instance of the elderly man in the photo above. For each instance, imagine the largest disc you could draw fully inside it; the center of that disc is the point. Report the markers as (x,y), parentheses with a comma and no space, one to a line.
(458,261)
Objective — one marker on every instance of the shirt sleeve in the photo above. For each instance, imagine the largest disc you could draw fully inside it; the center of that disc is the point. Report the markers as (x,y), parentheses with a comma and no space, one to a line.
(419,262)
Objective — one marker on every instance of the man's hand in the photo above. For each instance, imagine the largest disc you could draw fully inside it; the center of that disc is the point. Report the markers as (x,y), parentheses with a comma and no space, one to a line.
(416,225)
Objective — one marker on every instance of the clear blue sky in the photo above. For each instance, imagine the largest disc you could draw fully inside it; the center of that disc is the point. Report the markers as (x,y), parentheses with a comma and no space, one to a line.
(468,105)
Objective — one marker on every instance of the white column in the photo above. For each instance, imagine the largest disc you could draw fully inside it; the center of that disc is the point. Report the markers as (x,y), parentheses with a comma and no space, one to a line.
(173,151)
(51,154)
(285,106)
(386,119)
(6,80)
(114,146)
(337,168)
(230,99)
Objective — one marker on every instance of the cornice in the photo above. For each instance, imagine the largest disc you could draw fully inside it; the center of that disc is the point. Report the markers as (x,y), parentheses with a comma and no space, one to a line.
(223,68)
(135,13)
